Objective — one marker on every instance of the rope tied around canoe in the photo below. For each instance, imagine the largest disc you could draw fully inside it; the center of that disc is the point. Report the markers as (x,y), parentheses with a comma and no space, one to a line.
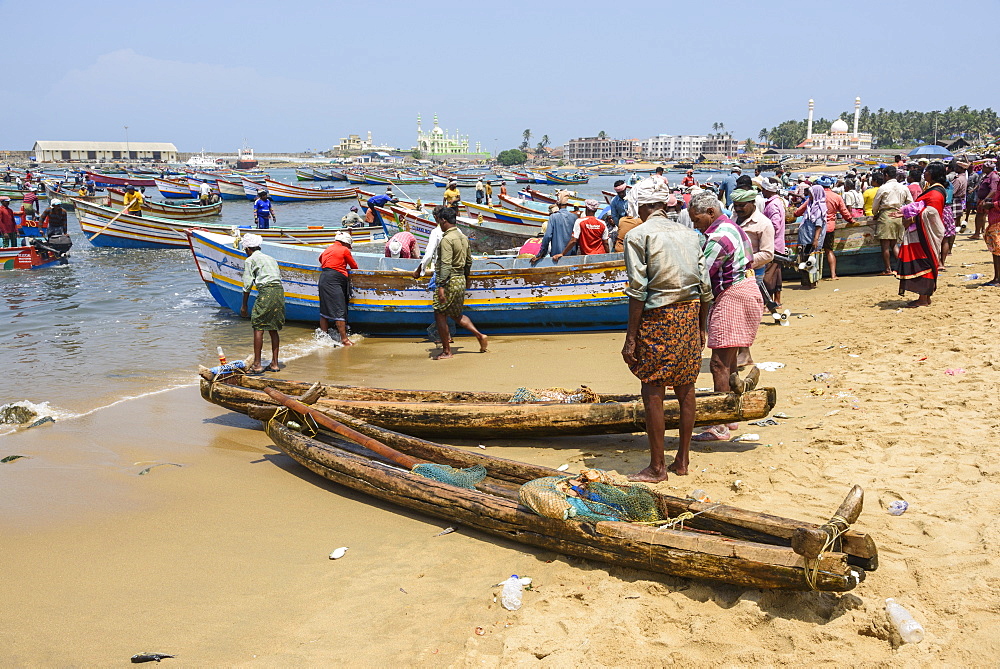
(835,527)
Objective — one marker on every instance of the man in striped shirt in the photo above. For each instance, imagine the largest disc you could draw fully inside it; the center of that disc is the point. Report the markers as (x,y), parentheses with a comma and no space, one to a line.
(738,305)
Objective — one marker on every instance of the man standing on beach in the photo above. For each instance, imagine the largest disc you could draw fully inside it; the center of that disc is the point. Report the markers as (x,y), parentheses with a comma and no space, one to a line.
(669,296)
(889,199)
(454,265)
(986,186)
(480,191)
(590,234)
(261,270)
(735,316)
(760,231)
(774,211)
(959,186)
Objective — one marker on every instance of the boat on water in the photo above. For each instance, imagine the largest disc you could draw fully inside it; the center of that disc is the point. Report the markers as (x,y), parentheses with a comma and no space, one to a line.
(506,498)
(173,188)
(485,415)
(489,236)
(230,190)
(399,179)
(282,192)
(38,254)
(200,161)
(538,196)
(67,197)
(553,179)
(109,227)
(532,222)
(524,206)
(108,180)
(442,180)
(245,159)
(182,211)
(505,295)
(302,174)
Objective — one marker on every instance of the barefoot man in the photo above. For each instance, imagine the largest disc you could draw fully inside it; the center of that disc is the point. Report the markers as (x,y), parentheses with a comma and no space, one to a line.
(268,314)
(669,297)
(454,263)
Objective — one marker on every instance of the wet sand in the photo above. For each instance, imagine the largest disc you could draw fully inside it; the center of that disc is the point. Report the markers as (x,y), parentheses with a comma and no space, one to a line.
(223,561)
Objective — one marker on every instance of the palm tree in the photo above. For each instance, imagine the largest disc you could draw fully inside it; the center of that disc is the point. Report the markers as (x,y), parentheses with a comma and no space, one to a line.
(715,127)
(545,141)
(602,135)
(762,135)
(526,137)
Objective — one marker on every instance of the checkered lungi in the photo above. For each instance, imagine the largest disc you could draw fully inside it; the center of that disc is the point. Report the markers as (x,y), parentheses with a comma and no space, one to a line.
(735,316)
(958,209)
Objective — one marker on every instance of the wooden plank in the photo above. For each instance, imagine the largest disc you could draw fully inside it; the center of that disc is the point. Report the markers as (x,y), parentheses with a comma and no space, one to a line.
(723,546)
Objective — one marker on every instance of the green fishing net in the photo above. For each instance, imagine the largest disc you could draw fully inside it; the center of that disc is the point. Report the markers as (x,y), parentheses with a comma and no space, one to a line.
(463,478)
(594,500)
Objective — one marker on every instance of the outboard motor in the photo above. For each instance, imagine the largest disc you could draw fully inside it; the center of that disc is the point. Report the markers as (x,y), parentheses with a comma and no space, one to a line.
(55,247)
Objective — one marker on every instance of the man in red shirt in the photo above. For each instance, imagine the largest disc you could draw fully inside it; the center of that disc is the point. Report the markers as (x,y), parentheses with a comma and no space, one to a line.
(589,232)
(8,229)
(402,245)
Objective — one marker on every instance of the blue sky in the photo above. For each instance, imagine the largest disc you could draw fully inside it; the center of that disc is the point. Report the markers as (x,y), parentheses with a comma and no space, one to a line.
(288,76)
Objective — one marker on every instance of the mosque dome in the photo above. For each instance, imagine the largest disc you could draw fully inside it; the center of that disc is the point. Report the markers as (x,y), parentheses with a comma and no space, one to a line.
(439,131)
(839,126)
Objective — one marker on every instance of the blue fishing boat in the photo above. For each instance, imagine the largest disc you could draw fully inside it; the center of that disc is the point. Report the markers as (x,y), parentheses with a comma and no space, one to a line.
(506,295)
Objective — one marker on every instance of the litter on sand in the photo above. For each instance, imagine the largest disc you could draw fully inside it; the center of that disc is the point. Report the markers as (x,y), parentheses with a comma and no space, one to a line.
(770,366)
(954,372)
(749,436)
(763,423)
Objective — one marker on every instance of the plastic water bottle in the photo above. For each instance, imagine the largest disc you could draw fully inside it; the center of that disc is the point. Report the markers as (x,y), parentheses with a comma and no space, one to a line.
(898,507)
(973,277)
(910,631)
(222,356)
(510,597)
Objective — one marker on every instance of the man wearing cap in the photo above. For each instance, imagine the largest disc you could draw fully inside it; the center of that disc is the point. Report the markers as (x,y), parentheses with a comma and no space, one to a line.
(774,211)
(263,210)
(402,245)
(889,199)
(454,264)
(8,228)
(728,185)
(133,201)
(590,234)
(352,219)
(261,270)
(336,262)
(738,306)
(669,296)
(54,218)
(688,181)
(559,230)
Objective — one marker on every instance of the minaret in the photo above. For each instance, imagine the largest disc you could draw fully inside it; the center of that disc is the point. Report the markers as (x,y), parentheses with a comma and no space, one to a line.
(419,131)
(857,115)
(809,127)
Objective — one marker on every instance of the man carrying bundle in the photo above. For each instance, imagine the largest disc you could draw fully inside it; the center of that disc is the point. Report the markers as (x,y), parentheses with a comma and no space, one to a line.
(261,270)
(669,296)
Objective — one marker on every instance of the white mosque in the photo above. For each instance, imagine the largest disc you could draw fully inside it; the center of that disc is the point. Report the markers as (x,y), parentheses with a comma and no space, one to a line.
(839,137)
(438,145)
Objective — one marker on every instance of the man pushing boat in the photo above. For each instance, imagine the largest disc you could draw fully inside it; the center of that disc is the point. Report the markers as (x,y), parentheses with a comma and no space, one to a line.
(669,297)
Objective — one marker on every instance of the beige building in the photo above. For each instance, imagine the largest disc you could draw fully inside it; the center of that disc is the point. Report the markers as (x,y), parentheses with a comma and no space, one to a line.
(55,152)
(598,149)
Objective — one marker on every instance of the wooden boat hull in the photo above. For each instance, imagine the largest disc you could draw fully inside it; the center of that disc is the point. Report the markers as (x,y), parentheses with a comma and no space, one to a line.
(231,190)
(470,417)
(505,295)
(281,192)
(492,236)
(532,221)
(766,561)
(171,188)
(107,180)
(556,180)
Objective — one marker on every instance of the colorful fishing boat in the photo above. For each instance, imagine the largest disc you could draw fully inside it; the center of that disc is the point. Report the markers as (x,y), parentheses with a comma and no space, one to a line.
(108,180)
(173,188)
(231,190)
(67,197)
(506,295)
(524,206)
(356,178)
(532,221)
(38,254)
(400,179)
(856,247)
(109,227)
(496,236)
(306,175)
(281,192)
(554,179)
(182,211)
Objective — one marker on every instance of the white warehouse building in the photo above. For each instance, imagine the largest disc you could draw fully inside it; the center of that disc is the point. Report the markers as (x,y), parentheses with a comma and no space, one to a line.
(56,151)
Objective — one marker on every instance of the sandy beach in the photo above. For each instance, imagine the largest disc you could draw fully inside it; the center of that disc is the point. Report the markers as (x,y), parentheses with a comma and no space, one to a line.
(223,560)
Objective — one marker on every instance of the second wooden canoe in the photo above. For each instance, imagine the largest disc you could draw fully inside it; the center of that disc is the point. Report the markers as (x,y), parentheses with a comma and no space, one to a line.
(473,415)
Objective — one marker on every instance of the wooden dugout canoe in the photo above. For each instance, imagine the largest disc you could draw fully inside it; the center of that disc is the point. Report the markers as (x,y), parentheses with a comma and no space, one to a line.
(484,415)
(720,543)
